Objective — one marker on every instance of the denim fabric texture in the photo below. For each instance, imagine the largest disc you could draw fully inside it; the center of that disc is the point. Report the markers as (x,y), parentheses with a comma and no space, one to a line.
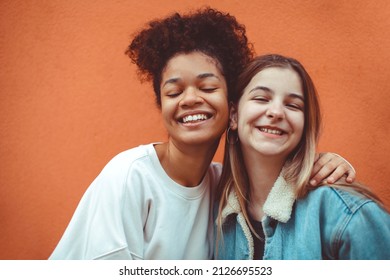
(329,223)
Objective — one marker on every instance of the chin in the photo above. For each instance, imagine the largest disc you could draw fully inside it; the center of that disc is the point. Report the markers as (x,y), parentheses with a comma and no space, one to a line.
(199,140)
(272,151)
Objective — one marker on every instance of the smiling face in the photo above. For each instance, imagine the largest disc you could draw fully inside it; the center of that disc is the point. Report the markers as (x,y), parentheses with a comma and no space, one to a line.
(270,113)
(194,102)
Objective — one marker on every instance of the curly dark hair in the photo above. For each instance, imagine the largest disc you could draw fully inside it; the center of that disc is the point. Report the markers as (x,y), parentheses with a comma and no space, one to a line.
(207,30)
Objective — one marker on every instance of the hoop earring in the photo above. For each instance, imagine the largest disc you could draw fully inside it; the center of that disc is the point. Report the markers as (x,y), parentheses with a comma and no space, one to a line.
(228,137)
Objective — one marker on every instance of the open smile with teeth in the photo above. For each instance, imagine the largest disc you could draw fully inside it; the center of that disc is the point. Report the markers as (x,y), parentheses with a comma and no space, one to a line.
(271,131)
(194,118)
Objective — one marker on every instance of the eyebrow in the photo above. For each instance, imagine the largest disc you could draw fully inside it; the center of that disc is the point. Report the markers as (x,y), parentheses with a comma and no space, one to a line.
(170,81)
(207,75)
(293,95)
(200,77)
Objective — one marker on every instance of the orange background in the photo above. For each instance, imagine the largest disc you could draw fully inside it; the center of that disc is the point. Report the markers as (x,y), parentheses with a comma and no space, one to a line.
(70,99)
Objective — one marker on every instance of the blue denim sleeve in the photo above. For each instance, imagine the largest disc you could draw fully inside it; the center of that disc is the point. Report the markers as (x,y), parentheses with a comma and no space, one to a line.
(366,234)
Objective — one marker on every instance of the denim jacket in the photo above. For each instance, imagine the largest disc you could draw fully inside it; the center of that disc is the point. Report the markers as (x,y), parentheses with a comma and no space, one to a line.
(329,223)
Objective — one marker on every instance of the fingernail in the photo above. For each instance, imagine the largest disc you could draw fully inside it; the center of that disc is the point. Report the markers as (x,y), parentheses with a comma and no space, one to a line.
(313,182)
(330,180)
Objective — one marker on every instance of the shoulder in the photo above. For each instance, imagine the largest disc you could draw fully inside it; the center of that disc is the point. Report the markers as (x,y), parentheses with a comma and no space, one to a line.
(117,171)
(347,220)
(345,207)
(124,160)
(351,220)
(351,200)
(341,206)
(131,155)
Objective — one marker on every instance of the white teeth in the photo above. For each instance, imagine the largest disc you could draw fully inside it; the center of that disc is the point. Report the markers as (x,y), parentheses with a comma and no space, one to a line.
(193,118)
(271,131)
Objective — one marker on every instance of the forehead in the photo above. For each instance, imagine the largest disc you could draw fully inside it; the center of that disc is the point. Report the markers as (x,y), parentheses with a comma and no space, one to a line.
(192,63)
(277,78)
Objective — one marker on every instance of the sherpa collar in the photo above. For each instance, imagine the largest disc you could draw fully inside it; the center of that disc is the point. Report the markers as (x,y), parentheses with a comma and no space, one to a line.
(278,204)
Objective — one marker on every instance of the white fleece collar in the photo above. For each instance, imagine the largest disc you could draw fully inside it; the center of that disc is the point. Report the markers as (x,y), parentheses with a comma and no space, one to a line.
(278,205)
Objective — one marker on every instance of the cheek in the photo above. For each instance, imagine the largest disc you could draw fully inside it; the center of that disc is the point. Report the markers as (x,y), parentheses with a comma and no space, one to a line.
(299,125)
(249,113)
(224,109)
(220,104)
(246,118)
(166,112)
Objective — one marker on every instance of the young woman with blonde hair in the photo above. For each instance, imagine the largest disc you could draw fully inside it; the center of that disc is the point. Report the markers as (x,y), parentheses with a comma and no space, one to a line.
(267,209)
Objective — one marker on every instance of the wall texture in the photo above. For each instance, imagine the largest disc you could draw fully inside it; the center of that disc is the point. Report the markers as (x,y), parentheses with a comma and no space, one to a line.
(70,99)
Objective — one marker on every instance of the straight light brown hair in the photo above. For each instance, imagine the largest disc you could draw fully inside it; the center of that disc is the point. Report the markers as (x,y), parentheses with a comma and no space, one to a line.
(299,164)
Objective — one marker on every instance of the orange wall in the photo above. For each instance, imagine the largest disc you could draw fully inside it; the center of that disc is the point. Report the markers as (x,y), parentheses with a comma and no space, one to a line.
(70,99)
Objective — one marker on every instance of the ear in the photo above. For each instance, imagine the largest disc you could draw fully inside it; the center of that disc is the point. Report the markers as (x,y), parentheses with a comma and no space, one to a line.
(233,118)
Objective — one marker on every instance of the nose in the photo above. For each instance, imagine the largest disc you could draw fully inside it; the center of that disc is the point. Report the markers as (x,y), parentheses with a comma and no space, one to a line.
(190,97)
(275,111)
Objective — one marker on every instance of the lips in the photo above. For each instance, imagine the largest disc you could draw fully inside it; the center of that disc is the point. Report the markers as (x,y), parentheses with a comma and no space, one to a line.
(272,130)
(194,117)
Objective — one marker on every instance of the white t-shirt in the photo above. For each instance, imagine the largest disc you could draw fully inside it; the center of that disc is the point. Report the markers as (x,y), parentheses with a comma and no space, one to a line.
(134,210)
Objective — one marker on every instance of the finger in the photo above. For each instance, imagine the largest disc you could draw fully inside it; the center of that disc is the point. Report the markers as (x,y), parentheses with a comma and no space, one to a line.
(320,161)
(336,175)
(323,173)
(351,176)
(343,169)
(351,173)
(325,165)
(330,175)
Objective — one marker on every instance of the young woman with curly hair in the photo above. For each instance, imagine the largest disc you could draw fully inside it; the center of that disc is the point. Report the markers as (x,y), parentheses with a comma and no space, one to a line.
(154,201)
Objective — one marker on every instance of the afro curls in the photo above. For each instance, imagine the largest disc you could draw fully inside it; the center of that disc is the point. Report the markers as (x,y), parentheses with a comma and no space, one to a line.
(207,30)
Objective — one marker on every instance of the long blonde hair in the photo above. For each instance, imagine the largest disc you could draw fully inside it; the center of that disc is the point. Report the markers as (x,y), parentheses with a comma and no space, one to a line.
(299,164)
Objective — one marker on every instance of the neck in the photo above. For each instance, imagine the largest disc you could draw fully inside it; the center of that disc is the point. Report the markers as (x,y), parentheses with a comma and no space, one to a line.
(186,165)
(262,174)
